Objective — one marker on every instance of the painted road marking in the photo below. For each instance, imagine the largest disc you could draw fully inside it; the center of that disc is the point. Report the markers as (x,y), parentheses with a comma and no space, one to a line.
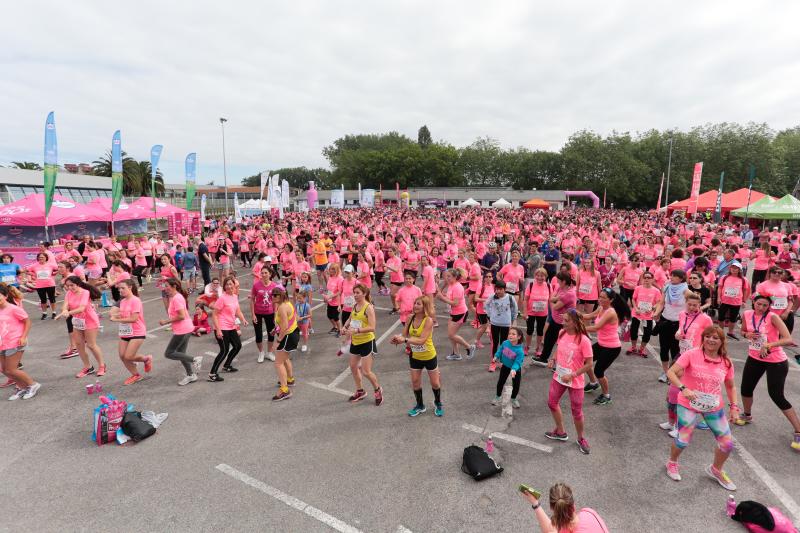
(291,501)
(329,388)
(346,372)
(510,438)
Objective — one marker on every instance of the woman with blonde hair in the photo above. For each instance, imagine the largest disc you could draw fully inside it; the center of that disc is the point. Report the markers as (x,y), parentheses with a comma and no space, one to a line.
(565,518)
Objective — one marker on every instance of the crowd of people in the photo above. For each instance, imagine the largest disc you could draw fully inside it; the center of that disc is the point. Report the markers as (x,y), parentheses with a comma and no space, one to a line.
(586,284)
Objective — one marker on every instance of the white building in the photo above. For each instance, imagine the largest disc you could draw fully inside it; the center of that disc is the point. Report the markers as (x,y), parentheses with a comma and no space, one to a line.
(16,184)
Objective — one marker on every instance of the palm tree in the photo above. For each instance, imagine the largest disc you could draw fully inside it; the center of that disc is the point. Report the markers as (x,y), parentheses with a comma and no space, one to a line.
(26,165)
(131,184)
(143,175)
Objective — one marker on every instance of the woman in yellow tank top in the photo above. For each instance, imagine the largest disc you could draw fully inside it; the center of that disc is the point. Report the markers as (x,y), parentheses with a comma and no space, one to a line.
(418,336)
(286,339)
(361,327)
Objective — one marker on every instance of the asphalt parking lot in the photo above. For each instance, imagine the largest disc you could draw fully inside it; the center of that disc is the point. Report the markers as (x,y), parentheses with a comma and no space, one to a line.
(228,458)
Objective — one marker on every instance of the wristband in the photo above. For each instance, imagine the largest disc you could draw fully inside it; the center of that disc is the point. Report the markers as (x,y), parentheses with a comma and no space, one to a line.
(534,507)
(682,388)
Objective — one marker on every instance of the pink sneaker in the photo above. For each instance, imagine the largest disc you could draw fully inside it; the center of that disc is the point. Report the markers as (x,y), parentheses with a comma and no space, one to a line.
(148,363)
(673,471)
(479,344)
(492,366)
(85,372)
(101,370)
(8,383)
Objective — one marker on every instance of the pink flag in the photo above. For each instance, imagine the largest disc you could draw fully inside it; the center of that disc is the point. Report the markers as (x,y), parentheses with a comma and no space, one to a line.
(696,177)
(660,189)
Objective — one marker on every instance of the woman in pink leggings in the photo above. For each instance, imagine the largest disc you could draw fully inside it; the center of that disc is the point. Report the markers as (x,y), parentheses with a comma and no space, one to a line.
(573,359)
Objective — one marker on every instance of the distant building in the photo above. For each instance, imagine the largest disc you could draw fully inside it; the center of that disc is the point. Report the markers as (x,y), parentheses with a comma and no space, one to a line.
(16,184)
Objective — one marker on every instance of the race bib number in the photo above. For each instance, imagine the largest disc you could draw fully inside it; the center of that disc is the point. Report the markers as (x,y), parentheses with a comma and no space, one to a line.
(355,324)
(512,286)
(9,279)
(645,307)
(125,329)
(780,302)
(44,274)
(756,344)
(539,307)
(416,348)
(349,301)
(585,288)
(685,345)
(705,402)
(79,323)
(560,373)
(731,292)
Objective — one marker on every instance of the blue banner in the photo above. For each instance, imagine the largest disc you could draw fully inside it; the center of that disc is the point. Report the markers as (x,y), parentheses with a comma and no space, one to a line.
(116,171)
(50,161)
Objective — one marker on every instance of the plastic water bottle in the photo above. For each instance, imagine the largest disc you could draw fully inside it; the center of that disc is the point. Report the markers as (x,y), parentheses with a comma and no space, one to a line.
(489,445)
(98,387)
(104,299)
(730,506)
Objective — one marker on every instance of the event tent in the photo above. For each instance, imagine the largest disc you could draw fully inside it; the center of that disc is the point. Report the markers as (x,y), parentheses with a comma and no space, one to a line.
(753,211)
(469,202)
(536,203)
(502,203)
(124,212)
(708,201)
(163,209)
(786,208)
(29,211)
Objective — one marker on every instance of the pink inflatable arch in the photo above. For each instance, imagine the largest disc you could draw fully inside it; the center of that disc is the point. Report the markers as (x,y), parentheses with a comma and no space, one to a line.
(585,194)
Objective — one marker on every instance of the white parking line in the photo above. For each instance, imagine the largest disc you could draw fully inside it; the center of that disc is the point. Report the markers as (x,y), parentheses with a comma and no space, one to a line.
(329,388)
(402,529)
(291,501)
(510,438)
(346,372)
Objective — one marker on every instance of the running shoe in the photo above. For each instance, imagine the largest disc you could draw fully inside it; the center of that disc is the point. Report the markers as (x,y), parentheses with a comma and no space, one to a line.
(471,351)
(85,372)
(8,383)
(260,357)
(304,348)
(133,379)
(282,395)
(196,362)
(19,393)
(417,410)
(515,403)
(454,357)
(101,370)
(796,442)
(479,344)
(44,316)
(53,316)
(702,425)
(379,396)
(663,378)
(214,378)
(230,369)
(602,400)
(188,379)
(589,387)
(496,400)
(72,352)
(539,351)
(332,331)
(673,471)
(538,360)
(555,435)
(148,364)
(666,426)
(583,446)
(31,391)
(271,356)
(673,434)
(393,312)
(289,382)
(357,396)
(438,409)
(642,352)
(492,366)
(721,477)
(630,351)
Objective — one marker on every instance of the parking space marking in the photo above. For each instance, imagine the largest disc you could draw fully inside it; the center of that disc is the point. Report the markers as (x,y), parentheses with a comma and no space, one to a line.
(291,501)
(510,438)
(329,388)
(346,372)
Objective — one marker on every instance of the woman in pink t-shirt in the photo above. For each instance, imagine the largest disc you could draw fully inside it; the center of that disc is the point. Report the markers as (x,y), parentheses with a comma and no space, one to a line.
(573,359)
(485,291)
(453,295)
(79,311)
(700,374)
(14,328)
(395,267)
(536,300)
(645,300)
(767,334)
(566,518)
(132,331)
(588,285)
(223,317)
(513,275)
(732,291)
(43,280)
(182,329)
(406,296)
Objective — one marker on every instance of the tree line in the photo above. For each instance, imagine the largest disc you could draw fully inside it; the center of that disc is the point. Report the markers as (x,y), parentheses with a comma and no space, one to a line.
(628,167)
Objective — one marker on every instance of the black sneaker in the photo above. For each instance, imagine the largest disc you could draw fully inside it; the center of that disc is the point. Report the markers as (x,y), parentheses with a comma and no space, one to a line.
(230,369)
(282,395)
(215,377)
(44,316)
(602,400)
(591,387)
(53,316)
(538,361)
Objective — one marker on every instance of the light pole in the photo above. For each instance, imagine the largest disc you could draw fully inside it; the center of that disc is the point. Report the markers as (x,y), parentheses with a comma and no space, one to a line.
(669,167)
(222,122)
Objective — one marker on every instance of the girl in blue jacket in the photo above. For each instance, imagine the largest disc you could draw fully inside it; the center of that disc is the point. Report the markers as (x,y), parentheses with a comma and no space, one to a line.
(511,354)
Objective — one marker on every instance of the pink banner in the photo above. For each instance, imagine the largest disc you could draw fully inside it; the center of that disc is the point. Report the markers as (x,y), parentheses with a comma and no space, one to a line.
(696,177)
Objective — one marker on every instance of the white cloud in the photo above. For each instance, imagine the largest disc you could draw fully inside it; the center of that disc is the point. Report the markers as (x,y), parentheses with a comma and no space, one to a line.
(292,77)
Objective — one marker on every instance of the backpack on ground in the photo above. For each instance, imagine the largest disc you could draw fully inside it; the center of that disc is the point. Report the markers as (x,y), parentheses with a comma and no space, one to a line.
(136,428)
(478,465)
(758,518)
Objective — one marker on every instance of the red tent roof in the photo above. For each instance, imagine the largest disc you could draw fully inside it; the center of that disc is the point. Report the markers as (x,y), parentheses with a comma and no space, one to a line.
(708,200)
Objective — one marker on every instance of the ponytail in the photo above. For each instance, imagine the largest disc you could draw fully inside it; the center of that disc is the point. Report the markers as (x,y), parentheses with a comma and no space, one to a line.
(563,505)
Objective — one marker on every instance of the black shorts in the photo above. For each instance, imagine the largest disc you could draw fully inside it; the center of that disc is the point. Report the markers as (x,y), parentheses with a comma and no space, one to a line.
(729,313)
(397,284)
(126,339)
(483,318)
(603,357)
(149,260)
(537,323)
(333,312)
(345,316)
(322,268)
(412,273)
(593,303)
(289,342)
(416,364)
(459,318)
(364,349)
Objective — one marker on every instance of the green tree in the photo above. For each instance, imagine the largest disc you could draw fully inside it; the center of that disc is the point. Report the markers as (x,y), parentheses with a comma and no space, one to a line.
(481,163)
(297,177)
(131,174)
(424,137)
(142,174)
(26,165)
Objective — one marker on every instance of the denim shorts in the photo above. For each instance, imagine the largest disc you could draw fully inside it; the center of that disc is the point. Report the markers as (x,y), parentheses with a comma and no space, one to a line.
(11,351)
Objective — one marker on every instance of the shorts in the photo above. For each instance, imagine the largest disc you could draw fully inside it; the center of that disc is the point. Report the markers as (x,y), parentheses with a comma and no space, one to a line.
(289,342)
(459,318)
(593,303)
(364,349)
(11,351)
(397,283)
(322,268)
(126,339)
(189,273)
(729,313)
(603,357)
(483,318)
(333,312)
(537,323)
(345,316)
(417,364)
(46,293)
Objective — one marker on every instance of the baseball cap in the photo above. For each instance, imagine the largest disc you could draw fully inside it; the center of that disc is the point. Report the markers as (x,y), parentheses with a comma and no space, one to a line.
(268,258)
(735,264)
(348,268)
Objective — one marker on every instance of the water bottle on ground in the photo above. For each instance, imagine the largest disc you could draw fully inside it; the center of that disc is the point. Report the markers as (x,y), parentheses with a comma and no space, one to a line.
(730,506)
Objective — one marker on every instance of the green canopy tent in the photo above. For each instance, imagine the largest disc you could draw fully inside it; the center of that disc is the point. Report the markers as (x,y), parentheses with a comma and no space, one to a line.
(754,210)
(786,208)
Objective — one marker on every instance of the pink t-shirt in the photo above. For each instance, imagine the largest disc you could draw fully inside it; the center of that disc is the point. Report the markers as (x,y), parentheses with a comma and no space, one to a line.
(348,300)
(88,318)
(570,356)
(768,333)
(703,375)
(12,324)
(630,276)
(512,276)
(691,327)
(127,308)
(588,285)
(644,302)
(429,280)
(537,296)
(405,300)
(779,291)
(43,275)
(588,522)
(176,304)
(731,290)
(334,287)
(226,307)
(455,292)
(395,276)
(608,335)
(474,275)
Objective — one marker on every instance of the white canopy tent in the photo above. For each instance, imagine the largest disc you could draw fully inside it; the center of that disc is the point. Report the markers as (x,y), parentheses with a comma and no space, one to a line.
(469,202)
(502,203)
(252,207)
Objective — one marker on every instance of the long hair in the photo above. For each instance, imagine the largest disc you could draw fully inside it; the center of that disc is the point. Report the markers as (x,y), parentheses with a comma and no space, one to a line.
(94,294)
(131,285)
(176,284)
(563,505)
(12,294)
(580,327)
(620,306)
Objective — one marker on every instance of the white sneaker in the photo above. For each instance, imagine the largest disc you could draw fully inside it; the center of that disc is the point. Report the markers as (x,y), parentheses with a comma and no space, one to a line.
(663,378)
(19,393)
(260,357)
(271,356)
(31,391)
(196,362)
(674,433)
(666,426)
(304,348)
(188,379)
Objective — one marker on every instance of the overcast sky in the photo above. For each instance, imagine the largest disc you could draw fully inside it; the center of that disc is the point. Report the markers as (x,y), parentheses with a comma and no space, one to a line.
(291,77)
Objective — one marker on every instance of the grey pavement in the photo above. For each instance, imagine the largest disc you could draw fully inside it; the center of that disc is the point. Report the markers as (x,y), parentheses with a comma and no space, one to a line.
(229,459)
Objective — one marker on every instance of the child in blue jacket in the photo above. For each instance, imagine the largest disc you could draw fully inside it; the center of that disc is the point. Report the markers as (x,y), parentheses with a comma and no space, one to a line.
(511,354)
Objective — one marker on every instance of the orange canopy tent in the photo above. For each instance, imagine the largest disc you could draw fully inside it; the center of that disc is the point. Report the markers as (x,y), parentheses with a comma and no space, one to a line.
(536,203)
(708,201)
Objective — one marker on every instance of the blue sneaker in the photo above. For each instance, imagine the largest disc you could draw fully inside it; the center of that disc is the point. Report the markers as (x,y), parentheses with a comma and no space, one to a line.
(417,410)
(439,410)
(702,425)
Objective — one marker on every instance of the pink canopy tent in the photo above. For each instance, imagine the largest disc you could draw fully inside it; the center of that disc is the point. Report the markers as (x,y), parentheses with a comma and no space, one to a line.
(132,211)
(30,212)
(163,209)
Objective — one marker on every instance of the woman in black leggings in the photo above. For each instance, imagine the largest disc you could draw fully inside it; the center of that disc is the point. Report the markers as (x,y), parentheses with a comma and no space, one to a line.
(223,317)
(766,333)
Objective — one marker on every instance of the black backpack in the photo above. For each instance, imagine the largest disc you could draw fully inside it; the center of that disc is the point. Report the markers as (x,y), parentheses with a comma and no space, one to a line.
(136,428)
(478,465)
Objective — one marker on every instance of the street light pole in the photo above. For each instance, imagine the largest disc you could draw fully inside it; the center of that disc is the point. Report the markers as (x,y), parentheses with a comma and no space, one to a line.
(222,122)
(669,167)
